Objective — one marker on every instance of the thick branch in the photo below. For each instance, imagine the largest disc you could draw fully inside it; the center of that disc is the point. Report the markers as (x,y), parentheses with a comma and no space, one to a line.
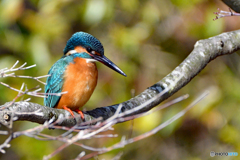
(233,4)
(204,51)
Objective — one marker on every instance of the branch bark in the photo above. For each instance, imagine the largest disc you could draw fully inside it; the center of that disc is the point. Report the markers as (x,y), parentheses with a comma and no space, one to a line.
(204,51)
(233,4)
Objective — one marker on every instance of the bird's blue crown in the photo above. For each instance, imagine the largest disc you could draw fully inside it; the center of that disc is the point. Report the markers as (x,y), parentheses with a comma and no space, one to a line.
(85,40)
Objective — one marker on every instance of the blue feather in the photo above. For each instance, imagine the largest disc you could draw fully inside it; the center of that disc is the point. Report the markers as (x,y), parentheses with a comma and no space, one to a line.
(85,40)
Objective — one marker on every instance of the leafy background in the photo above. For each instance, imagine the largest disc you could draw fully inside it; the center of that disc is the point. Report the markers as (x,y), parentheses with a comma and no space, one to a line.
(146,39)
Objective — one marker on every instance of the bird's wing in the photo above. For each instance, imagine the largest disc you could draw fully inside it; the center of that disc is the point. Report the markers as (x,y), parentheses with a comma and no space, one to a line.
(55,82)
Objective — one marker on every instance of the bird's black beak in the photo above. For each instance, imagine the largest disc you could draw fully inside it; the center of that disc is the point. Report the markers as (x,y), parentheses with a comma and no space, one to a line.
(108,63)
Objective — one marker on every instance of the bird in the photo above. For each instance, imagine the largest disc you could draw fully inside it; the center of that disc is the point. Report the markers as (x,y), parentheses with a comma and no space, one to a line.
(75,73)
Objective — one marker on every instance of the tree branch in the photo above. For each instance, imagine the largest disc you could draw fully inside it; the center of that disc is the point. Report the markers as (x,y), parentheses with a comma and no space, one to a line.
(204,51)
(234,4)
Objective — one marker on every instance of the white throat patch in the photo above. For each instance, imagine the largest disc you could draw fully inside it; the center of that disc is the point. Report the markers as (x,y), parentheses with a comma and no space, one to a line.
(88,60)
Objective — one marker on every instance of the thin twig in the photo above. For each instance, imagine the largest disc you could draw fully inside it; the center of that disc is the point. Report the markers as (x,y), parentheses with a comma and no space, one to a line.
(147,134)
(221,14)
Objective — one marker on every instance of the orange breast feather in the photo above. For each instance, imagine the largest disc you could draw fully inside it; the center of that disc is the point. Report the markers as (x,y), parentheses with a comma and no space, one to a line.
(80,81)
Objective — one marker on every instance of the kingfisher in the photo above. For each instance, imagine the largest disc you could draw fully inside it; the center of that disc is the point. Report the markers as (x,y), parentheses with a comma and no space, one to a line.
(76,73)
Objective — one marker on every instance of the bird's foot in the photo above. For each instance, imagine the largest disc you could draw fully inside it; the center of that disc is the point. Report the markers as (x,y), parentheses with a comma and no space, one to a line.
(81,113)
(69,110)
(77,110)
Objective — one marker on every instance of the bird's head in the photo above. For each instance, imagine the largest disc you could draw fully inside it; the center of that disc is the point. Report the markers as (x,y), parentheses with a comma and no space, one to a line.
(82,42)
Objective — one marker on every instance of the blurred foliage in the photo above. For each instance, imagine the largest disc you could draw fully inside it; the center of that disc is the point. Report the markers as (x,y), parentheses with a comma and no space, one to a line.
(146,39)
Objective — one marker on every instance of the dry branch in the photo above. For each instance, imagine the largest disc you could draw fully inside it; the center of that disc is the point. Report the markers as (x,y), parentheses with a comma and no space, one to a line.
(204,51)
(234,4)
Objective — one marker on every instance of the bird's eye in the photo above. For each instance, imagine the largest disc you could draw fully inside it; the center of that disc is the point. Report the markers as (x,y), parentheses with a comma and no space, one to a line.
(89,49)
